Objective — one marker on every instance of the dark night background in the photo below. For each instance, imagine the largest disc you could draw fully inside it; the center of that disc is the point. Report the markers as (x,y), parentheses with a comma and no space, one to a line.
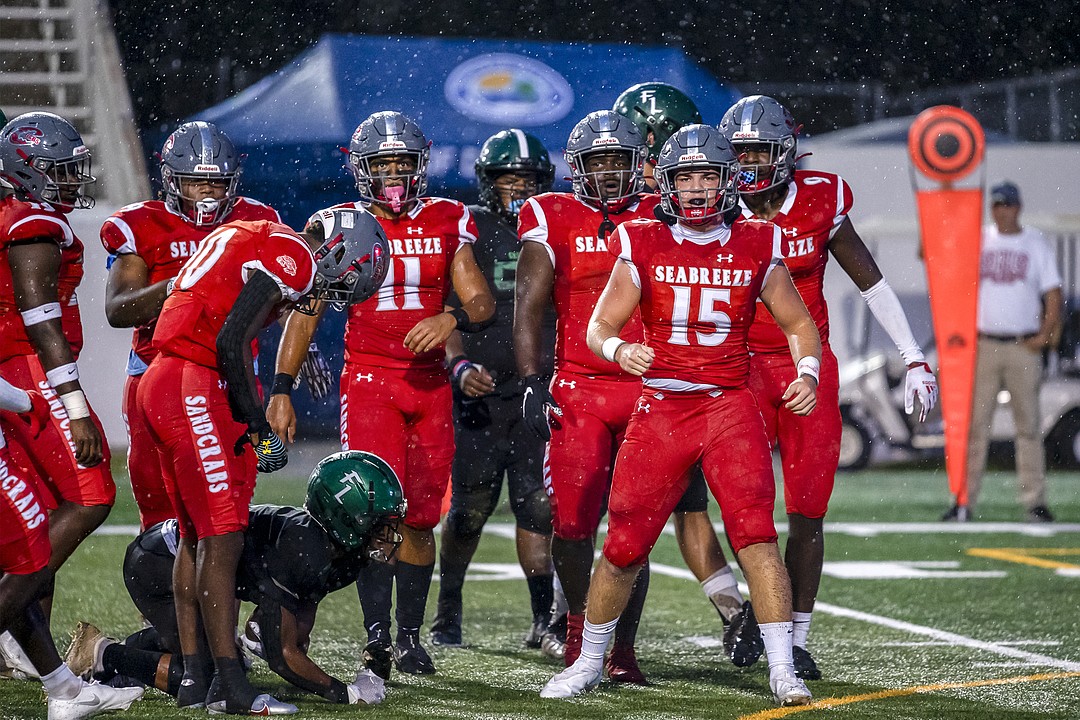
(185,55)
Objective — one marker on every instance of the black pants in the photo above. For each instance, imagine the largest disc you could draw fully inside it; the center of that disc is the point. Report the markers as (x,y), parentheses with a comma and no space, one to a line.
(148,567)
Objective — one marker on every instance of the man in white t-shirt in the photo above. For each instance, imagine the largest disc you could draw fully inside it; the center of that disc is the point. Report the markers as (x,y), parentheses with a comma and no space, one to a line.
(1020,305)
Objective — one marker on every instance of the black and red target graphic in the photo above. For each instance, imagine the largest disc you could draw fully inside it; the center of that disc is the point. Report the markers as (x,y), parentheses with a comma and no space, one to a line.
(946,143)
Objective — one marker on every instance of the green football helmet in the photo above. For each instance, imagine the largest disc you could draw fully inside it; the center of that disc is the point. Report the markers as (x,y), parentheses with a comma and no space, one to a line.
(352,495)
(659,108)
(3,119)
(512,150)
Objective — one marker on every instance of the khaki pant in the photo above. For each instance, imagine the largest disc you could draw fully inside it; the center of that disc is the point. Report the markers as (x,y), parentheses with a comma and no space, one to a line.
(1009,365)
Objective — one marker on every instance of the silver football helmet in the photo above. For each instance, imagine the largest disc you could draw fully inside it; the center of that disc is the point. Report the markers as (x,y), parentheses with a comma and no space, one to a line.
(759,120)
(386,134)
(697,147)
(606,131)
(352,261)
(43,159)
(200,151)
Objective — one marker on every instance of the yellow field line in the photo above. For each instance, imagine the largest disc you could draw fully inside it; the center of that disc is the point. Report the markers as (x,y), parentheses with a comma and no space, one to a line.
(829,703)
(1025,556)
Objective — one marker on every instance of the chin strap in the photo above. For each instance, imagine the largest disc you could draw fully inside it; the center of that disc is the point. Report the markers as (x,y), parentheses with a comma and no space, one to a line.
(606,226)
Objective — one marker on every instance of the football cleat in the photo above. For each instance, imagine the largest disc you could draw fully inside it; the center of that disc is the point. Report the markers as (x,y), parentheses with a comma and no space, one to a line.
(957,513)
(572,681)
(1040,514)
(805,667)
(535,637)
(18,666)
(446,631)
(575,626)
(84,655)
(378,657)
(553,644)
(93,699)
(410,656)
(788,690)
(622,666)
(262,705)
(742,638)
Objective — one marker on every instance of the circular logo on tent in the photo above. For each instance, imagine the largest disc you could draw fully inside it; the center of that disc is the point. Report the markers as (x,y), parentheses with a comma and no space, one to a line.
(502,88)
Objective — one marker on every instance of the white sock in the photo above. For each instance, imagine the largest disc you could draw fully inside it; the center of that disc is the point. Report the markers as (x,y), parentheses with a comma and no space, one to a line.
(777,637)
(61,683)
(801,621)
(13,398)
(559,606)
(594,641)
(722,589)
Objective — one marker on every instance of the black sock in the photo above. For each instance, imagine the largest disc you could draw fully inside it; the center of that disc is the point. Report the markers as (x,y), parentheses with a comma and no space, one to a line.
(376,587)
(626,630)
(451,578)
(233,685)
(139,664)
(195,683)
(176,673)
(541,593)
(413,583)
(145,639)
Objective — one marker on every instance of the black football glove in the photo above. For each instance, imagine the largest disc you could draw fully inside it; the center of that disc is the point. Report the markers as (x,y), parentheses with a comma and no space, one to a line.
(536,406)
(316,373)
(271,452)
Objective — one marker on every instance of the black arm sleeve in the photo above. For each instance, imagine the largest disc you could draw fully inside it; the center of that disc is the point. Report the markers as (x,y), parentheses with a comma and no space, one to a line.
(248,315)
(268,615)
(464,324)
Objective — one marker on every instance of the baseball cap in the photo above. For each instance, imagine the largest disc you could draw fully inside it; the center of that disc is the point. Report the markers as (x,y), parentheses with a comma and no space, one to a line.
(1005,193)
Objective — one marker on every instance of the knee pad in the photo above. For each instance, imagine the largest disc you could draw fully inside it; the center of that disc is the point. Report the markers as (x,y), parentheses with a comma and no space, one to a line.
(466,524)
(533,512)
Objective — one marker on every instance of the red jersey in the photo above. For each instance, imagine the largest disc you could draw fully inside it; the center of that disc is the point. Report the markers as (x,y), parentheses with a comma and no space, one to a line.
(815,206)
(212,278)
(21,221)
(423,243)
(698,297)
(164,240)
(569,230)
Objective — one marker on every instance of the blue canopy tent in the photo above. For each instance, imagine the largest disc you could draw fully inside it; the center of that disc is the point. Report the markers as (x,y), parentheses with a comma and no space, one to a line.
(292,123)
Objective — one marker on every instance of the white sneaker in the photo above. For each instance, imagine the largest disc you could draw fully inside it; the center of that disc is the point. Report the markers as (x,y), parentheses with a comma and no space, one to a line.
(18,665)
(572,681)
(262,705)
(788,689)
(93,699)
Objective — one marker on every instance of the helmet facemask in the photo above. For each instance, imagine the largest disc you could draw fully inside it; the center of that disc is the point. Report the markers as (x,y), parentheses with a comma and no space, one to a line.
(66,180)
(372,184)
(755,178)
(349,269)
(384,541)
(698,207)
(598,186)
(200,211)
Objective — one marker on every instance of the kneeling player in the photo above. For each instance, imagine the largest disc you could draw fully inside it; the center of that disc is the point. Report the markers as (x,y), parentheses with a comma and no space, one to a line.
(292,559)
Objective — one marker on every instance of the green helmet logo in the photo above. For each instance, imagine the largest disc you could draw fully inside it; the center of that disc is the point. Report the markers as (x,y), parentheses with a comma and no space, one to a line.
(659,108)
(350,493)
(511,150)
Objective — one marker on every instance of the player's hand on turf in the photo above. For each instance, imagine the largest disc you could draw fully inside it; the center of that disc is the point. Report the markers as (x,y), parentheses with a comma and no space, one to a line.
(475,381)
(316,372)
(537,405)
(368,688)
(430,333)
(801,395)
(282,417)
(37,417)
(635,358)
(87,441)
(920,383)
(270,451)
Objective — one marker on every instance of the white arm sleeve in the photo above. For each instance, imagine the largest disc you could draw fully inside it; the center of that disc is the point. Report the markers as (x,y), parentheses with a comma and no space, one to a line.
(12,398)
(882,301)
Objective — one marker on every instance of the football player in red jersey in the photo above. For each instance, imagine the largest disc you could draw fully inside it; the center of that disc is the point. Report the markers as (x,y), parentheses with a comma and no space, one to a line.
(202,404)
(45,164)
(659,110)
(147,243)
(395,394)
(25,574)
(811,208)
(695,283)
(564,261)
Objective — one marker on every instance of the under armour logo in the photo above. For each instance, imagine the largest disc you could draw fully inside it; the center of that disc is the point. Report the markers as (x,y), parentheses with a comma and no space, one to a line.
(370,377)
(568,383)
(221,384)
(790,232)
(414,230)
(644,406)
(722,257)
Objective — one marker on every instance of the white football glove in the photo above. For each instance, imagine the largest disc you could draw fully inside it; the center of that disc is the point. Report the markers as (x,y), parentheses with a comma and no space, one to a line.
(920,382)
(316,372)
(368,688)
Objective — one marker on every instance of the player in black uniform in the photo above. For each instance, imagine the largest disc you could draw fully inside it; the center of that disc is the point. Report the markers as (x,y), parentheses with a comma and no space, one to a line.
(491,438)
(292,559)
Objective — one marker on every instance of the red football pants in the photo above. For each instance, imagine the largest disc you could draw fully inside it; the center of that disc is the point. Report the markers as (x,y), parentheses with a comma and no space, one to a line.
(144,465)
